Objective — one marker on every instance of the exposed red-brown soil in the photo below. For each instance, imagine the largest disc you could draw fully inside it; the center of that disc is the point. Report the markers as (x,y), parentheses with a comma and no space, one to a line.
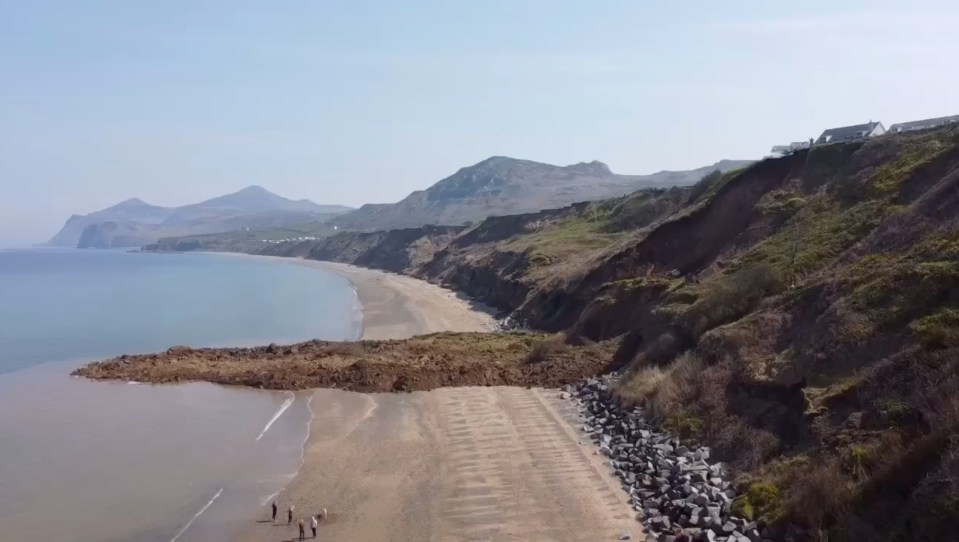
(421,363)
(817,295)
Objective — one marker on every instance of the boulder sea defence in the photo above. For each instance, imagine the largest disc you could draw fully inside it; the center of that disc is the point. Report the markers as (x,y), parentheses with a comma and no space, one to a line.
(678,492)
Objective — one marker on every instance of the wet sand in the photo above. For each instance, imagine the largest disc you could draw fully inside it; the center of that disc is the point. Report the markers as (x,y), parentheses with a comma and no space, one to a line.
(451,464)
(468,463)
(112,462)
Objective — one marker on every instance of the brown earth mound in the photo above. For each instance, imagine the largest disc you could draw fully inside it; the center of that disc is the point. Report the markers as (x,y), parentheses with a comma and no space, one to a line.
(800,316)
(420,363)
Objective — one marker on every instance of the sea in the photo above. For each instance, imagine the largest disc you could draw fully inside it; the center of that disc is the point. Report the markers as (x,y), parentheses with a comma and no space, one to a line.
(119,461)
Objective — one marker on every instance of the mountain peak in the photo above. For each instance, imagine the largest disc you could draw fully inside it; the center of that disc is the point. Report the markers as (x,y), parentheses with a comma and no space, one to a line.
(132,202)
(500,185)
(595,167)
(254,189)
(252,206)
(129,206)
(498,158)
(493,161)
(499,162)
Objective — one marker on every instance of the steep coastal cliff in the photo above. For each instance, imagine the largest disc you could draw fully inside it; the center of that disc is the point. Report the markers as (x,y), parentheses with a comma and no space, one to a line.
(801,316)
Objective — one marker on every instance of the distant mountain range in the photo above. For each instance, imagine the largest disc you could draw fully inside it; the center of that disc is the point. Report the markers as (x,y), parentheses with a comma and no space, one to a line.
(135,223)
(494,187)
(507,186)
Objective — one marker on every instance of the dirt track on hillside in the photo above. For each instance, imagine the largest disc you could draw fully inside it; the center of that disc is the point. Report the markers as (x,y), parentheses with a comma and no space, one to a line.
(449,465)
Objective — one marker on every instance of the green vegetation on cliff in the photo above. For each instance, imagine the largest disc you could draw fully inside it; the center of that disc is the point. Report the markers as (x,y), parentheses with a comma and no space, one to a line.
(800,316)
(828,326)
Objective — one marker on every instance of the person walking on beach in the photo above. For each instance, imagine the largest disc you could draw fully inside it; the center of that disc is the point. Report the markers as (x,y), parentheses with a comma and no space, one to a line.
(289,515)
(302,531)
(313,525)
(274,511)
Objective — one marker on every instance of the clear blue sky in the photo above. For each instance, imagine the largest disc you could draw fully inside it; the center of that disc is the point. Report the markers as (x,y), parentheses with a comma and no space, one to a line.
(352,102)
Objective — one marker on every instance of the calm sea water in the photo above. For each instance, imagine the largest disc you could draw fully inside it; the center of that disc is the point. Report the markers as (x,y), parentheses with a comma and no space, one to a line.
(82,460)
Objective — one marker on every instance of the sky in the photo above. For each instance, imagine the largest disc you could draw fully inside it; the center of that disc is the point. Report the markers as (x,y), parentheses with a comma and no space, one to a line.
(356,102)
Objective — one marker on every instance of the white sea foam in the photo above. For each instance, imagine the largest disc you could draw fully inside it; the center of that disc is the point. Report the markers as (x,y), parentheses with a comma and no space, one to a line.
(357,314)
(198,514)
(270,497)
(286,404)
(306,440)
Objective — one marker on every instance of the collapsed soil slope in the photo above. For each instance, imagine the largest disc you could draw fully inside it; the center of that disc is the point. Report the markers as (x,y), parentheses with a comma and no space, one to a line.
(502,260)
(801,316)
(818,291)
(421,363)
(820,303)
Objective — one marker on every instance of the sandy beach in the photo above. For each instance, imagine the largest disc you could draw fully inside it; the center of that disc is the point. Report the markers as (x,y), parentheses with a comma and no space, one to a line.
(450,464)
(397,306)
(471,463)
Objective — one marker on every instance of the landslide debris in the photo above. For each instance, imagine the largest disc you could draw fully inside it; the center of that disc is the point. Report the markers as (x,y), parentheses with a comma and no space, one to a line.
(421,363)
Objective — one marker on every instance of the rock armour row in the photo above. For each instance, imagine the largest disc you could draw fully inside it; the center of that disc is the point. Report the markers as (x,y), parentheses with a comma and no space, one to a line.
(678,493)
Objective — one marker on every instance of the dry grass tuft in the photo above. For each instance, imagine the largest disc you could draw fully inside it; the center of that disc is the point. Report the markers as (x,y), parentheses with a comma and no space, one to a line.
(732,296)
(665,391)
(818,496)
(689,399)
(545,349)
(680,385)
(641,384)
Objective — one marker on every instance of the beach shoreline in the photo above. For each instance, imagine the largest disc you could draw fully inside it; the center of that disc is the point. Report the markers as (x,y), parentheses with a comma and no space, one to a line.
(453,463)
(395,306)
(457,463)
(465,457)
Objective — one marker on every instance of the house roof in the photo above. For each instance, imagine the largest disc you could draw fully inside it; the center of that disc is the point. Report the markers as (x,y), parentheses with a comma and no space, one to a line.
(849,131)
(924,122)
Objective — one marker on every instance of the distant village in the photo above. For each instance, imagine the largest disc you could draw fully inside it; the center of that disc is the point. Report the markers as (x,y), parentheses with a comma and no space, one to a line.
(861,131)
(288,239)
(293,239)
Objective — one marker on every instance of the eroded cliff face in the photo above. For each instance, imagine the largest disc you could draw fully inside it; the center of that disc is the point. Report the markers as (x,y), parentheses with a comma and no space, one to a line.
(801,316)
(687,242)
(501,260)
(819,296)
(481,262)
(399,251)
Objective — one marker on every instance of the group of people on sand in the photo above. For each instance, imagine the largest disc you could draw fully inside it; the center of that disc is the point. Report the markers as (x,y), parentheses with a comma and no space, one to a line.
(314,520)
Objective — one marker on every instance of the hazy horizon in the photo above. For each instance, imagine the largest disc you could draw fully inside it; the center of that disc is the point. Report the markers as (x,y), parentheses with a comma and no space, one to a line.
(347,104)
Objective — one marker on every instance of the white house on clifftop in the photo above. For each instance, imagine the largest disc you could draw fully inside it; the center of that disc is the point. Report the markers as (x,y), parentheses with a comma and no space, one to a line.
(783,150)
(851,133)
(923,124)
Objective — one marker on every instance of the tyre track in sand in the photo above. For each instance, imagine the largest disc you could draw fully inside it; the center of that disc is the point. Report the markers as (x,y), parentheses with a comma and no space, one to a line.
(517,472)
(453,464)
